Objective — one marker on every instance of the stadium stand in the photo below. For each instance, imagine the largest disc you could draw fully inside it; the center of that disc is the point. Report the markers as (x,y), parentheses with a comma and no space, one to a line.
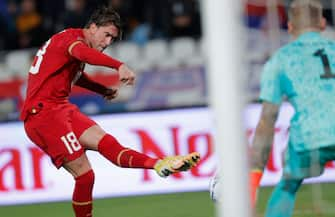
(182,48)
(155,51)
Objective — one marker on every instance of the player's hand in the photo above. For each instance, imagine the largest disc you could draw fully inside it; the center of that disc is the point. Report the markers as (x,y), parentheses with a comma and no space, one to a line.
(110,93)
(127,76)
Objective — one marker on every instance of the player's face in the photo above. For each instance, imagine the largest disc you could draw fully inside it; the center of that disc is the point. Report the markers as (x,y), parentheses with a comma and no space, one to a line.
(103,36)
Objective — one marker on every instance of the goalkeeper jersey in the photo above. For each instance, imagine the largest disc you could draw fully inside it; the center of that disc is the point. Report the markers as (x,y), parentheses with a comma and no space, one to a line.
(303,71)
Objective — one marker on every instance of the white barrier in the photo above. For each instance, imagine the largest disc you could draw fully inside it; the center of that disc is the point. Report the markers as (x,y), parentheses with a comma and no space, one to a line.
(27,175)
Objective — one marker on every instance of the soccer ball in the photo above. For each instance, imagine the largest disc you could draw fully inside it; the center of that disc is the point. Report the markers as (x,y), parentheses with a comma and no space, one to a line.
(214,188)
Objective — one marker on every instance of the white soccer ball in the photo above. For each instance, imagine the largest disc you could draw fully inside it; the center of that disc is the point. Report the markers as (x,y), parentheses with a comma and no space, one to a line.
(214,188)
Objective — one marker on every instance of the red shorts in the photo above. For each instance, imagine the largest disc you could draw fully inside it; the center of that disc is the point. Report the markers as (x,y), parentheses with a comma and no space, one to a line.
(56,129)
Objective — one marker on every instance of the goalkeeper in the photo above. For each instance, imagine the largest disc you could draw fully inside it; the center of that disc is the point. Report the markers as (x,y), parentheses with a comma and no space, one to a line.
(303,72)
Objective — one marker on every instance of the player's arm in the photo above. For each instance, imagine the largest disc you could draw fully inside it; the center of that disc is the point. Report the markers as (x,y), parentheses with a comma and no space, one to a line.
(264,136)
(86,82)
(261,146)
(271,95)
(82,52)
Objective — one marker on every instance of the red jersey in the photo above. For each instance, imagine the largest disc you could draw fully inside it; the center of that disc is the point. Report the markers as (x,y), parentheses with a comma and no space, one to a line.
(53,71)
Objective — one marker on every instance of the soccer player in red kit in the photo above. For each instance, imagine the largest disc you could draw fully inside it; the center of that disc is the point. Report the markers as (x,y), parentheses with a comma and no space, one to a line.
(60,129)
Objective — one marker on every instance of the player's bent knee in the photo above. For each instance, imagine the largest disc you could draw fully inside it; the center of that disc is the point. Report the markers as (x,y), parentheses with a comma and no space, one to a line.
(78,166)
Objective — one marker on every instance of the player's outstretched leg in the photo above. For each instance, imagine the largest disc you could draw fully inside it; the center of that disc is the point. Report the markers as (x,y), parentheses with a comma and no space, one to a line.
(121,156)
(174,164)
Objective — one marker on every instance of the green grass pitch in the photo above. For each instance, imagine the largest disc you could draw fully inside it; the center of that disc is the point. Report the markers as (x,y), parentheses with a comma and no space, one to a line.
(313,201)
(192,204)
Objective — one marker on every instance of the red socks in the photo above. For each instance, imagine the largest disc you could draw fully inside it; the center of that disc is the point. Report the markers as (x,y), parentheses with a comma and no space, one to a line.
(82,195)
(111,149)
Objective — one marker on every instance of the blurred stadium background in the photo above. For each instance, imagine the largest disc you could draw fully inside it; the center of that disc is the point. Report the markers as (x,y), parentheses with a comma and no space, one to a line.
(165,113)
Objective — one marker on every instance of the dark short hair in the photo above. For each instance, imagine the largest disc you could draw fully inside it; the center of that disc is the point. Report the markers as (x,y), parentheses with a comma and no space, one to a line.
(104,16)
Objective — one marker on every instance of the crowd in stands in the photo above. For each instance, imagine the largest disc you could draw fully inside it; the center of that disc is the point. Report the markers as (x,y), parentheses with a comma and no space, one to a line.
(28,23)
